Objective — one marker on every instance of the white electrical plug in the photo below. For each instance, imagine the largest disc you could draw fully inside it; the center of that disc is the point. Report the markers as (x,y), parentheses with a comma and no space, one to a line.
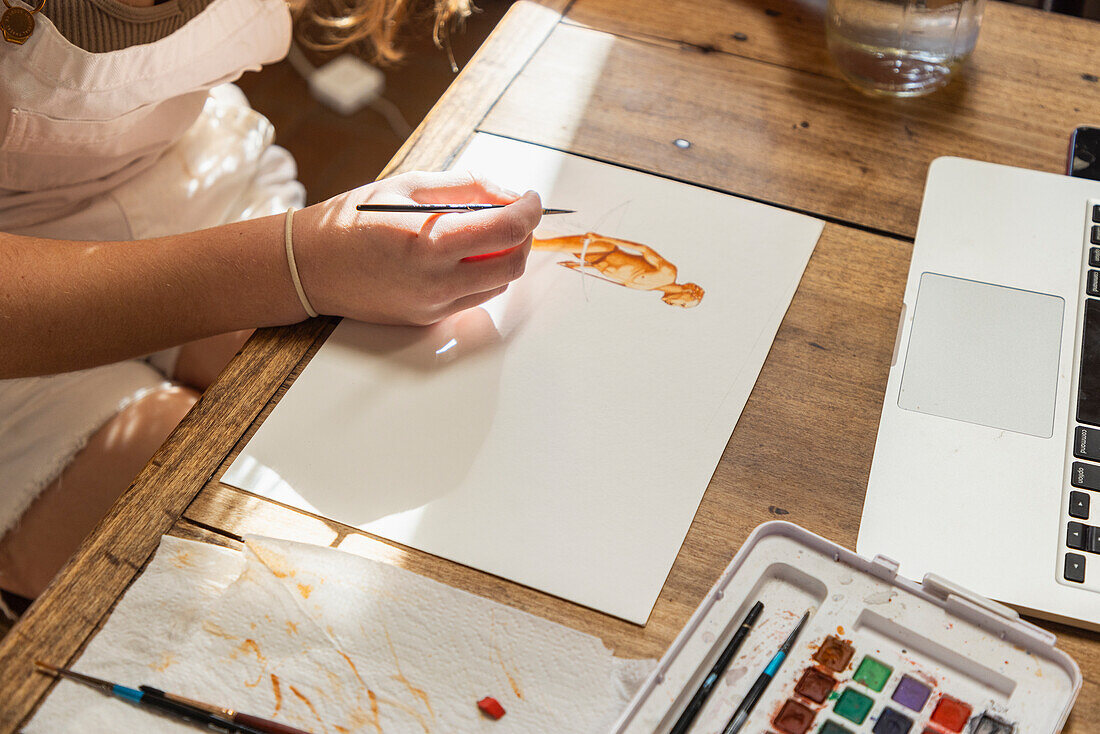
(346,84)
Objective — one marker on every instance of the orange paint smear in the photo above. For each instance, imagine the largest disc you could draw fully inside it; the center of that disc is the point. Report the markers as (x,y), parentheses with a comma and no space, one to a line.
(354,670)
(515,686)
(402,707)
(500,659)
(376,721)
(840,630)
(308,703)
(275,563)
(250,645)
(218,631)
(400,678)
(305,590)
(166,660)
(278,691)
(291,627)
(417,692)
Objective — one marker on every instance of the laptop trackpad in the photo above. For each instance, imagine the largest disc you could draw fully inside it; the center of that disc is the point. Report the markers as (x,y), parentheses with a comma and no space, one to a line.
(983,354)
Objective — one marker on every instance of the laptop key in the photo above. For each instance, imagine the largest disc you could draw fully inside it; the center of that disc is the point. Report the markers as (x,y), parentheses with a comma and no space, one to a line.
(1075,535)
(1092,539)
(1085,475)
(1095,238)
(1075,568)
(1086,443)
(1079,505)
(1096,212)
(1094,257)
(1092,283)
(1088,383)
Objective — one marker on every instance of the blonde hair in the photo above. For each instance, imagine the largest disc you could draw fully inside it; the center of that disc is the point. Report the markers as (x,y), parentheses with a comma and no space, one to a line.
(370,27)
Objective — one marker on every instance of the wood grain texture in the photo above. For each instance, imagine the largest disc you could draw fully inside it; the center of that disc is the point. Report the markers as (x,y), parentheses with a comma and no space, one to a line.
(1017,45)
(190,531)
(780,126)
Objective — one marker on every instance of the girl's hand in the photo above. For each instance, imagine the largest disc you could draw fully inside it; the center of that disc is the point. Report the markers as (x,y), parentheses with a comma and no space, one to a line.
(413,268)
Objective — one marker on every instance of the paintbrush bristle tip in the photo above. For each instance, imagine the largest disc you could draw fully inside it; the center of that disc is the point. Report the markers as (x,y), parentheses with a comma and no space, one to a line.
(45,667)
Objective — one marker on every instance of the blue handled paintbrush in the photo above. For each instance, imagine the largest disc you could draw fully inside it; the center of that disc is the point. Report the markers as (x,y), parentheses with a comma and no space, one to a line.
(701,696)
(741,715)
(157,703)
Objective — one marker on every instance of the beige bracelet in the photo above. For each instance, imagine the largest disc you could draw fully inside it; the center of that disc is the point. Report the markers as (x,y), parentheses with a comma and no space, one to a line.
(287,235)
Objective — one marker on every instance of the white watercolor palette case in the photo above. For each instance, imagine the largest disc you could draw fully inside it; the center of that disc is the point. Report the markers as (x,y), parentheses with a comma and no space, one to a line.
(880,654)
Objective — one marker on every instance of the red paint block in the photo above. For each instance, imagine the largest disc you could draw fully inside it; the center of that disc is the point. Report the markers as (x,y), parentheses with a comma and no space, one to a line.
(951,714)
(491,707)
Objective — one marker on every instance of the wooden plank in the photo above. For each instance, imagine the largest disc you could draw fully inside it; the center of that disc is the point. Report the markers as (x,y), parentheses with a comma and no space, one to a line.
(799,139)
(188,530)
(504,53)
(1045,54)
(58,626)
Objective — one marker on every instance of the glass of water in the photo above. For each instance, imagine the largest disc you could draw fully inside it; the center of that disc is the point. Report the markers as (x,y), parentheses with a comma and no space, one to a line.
(901,48)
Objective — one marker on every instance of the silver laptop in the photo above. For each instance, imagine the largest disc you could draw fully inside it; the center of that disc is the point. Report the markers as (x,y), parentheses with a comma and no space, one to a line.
(987,465)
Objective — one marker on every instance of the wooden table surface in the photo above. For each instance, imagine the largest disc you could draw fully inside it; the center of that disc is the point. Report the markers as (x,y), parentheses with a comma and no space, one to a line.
(751,87)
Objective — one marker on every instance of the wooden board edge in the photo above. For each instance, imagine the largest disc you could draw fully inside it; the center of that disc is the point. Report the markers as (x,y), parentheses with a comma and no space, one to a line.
(452,120)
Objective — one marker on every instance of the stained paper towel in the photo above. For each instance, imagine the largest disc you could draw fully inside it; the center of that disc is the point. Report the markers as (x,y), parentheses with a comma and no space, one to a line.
(335,643)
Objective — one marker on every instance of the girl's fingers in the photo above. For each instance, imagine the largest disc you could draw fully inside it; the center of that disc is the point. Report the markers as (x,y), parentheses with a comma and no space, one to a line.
(494,270)
(469,234)
(454,187)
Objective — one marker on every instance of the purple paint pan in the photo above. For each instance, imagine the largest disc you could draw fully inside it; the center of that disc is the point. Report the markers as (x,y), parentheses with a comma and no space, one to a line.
(911,693)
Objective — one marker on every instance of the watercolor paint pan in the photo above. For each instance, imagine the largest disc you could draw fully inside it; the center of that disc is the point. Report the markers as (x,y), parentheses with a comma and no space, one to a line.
(880,654)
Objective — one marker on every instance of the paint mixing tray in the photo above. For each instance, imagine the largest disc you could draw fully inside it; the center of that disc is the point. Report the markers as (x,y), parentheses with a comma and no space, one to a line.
(880,654)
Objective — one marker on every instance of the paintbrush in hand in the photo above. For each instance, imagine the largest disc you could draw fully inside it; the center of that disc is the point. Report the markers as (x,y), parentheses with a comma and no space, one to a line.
(431,208)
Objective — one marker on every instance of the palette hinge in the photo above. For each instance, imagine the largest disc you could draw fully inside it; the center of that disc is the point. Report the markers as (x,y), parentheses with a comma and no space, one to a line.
(884,568)
(1012,629)
(945,589)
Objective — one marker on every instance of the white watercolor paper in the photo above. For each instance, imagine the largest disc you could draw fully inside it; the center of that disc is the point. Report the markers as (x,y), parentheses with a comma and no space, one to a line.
(334,643)
(562,435)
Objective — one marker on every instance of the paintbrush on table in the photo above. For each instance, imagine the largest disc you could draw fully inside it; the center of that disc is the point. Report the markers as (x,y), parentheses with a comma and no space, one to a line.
(430,208)
(264,725)
(160,704)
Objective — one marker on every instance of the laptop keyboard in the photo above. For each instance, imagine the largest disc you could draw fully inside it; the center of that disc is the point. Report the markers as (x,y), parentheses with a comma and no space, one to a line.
(1081,542)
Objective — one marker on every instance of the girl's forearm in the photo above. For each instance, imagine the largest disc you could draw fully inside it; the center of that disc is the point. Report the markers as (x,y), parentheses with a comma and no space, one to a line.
(67,305)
